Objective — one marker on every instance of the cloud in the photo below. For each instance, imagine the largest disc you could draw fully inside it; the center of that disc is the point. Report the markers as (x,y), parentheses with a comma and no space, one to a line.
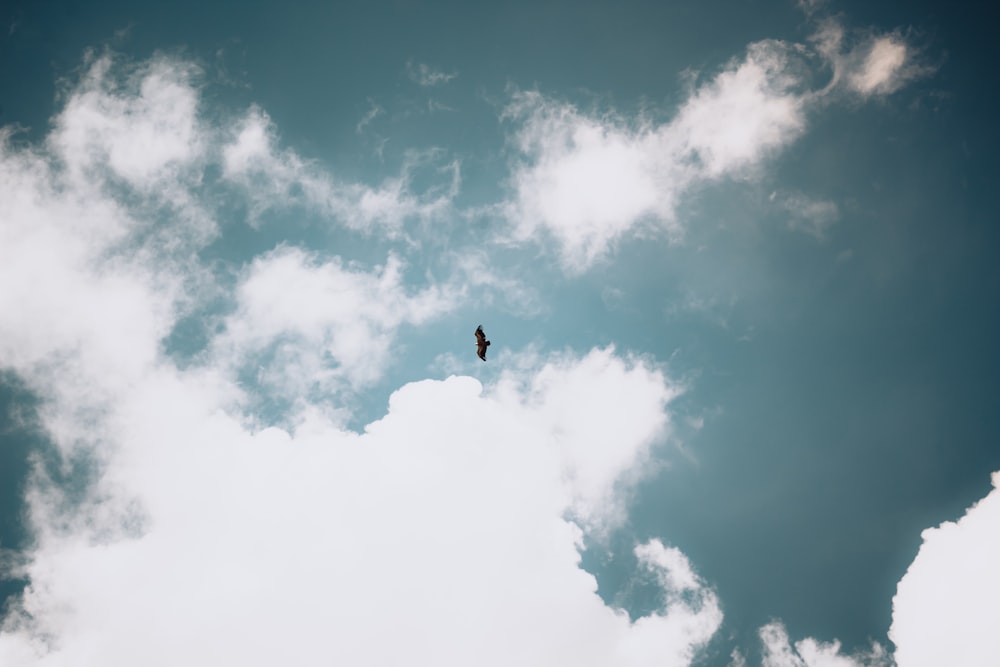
(809,7)
(778,652)
(373,112)
(476,277)
(63,213)
(599,476)
(138,120)
(588,181)
(585,181)
(806,214)
(744,114)
(442,524)
(867,64)
(277,179)
(426,76)
(945,609)
(689,603)
(311,326)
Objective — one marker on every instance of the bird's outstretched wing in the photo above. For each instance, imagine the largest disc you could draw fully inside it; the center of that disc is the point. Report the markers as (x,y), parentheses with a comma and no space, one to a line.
(481,343)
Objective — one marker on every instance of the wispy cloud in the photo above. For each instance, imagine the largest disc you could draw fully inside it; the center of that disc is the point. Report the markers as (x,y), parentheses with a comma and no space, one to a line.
(374,111)
(426,76)
(810,6)
(811,216)
(867,64)
(277,178)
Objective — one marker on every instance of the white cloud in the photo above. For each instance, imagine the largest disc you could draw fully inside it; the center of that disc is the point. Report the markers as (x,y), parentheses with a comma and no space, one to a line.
(866,64)
(139,121)
(441,525)
(778,652)
(744,114)
(599,475)
(312,325)
(879,69)
(587,180)
(275,179)
(75,263)
(946,609)
(690,605)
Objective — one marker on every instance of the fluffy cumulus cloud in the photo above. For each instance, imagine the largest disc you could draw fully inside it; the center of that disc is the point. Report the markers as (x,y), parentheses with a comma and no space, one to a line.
(946,610)
(447,532)
(437,535)
(586,388)
(587,180)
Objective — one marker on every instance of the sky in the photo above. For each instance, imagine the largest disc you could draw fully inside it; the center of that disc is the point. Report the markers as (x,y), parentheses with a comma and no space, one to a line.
(736,261)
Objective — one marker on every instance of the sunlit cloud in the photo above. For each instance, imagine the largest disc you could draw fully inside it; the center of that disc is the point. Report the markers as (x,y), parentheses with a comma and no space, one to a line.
(587,180)
(867,64)
(945,609)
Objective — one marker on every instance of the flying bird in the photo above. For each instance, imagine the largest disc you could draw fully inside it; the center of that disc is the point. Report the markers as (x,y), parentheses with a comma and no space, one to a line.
(481,342)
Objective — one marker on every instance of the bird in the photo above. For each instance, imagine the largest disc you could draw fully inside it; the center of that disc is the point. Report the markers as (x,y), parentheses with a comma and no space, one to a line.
(481,342)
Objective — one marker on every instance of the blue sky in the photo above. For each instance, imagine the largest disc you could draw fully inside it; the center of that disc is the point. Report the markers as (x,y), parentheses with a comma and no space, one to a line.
(736,260)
